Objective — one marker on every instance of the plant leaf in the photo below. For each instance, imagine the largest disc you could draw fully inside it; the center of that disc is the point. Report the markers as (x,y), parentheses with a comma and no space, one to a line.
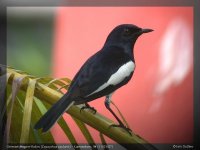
(15,88)
(61,122)
(97,121)
(39,108)
(85,131)
(27,111)
(103,141)
(36,135)
(67,131)
(58,84)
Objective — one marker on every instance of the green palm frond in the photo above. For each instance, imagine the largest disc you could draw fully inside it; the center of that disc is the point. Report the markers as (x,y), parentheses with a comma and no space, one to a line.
(29,97)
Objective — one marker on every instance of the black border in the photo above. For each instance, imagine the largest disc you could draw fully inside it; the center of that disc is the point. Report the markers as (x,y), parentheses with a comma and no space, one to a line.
(117,3)
(3,60)
(196,74)
(100,3)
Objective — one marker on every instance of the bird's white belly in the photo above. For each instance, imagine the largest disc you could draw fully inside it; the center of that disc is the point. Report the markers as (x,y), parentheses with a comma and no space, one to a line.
(123,72)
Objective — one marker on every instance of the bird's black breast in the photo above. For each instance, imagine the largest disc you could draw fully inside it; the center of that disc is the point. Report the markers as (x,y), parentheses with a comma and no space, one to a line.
(97,71)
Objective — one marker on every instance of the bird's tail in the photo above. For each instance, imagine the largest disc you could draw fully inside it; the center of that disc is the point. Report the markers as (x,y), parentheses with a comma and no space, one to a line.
(53,114)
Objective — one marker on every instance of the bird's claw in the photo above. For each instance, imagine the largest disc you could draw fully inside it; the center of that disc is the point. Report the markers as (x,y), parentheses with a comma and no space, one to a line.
(91,108)
(128,130)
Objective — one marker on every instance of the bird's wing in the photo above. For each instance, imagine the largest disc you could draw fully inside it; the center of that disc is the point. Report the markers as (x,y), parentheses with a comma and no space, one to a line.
(96,71)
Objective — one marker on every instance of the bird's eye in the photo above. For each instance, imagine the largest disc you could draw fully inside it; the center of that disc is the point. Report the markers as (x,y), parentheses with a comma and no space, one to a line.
(127,31)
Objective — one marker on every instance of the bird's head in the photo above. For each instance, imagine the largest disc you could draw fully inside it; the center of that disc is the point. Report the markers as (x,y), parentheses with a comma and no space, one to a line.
(125,35)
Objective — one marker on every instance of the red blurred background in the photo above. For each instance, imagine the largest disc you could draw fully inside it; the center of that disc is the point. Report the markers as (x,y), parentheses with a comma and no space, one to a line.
(158,101)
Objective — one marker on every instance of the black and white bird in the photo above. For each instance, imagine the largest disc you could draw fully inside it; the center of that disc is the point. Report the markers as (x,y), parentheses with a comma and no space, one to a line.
(101,75)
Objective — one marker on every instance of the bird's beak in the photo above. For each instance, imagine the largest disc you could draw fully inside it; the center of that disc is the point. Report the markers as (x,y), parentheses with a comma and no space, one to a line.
(146,30)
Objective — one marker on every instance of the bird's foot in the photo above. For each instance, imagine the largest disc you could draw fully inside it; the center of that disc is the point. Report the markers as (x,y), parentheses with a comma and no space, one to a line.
(128,130)
(88,107)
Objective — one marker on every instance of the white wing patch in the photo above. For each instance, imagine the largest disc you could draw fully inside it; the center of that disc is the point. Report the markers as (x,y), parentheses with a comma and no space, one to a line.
(123,72)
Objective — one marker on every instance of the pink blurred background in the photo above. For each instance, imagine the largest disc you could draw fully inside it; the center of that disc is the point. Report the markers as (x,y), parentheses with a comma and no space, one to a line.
(158,101)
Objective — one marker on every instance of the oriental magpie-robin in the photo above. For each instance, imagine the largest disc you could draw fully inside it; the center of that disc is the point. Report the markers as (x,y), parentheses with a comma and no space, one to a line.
(101,75)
